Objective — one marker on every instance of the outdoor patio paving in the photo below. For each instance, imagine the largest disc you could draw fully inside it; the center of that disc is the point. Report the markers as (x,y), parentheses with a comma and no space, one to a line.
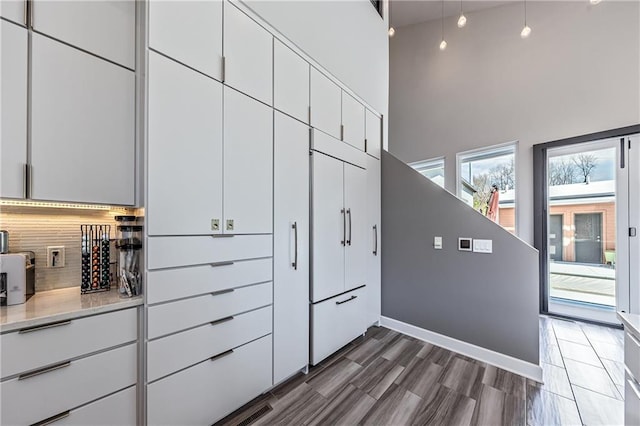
(585,283)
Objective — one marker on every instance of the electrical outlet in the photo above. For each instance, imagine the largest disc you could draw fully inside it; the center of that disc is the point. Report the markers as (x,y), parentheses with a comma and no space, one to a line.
(55,257)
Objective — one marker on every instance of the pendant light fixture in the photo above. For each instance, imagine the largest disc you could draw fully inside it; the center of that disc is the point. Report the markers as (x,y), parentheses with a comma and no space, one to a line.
(443,43)
(526,31)
(392,31)
(462,20)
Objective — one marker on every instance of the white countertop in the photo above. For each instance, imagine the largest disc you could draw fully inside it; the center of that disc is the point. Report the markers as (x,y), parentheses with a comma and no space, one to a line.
(631,322)
(61,305)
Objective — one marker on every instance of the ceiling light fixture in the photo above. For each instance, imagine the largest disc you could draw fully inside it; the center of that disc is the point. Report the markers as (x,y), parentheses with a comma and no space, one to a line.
(594,2)
(443,43)
(392,31)
(526,31)
(462,20)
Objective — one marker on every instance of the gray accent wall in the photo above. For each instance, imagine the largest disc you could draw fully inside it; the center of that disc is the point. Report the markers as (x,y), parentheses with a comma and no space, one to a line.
(488,300)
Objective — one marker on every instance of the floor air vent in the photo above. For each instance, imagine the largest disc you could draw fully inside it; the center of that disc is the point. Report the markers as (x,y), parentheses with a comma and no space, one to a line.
(255,416)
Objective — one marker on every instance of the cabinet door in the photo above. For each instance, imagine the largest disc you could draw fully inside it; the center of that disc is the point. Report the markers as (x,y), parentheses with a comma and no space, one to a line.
(83,126)
(291,247)
(189,32)
(248,165)
(328,227)
(373,134)
(184,150)
(14,10)
(290,82)
(352,121)
(106,28)
(248,54)
(374,289)
(355,202)
(325,104)
(13,98)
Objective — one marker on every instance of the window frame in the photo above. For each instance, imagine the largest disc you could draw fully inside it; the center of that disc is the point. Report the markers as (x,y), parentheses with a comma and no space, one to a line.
(431,163)
(491,151)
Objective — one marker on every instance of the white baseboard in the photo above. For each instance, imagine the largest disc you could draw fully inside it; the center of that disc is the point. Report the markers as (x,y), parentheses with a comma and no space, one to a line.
(506,362)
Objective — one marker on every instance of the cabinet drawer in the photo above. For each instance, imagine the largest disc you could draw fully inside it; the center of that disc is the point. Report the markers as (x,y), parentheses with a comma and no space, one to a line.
(336,322)
(31,348)
(182,314)
(168,252)
(632,354)
(181,350)
(168,284)
(116,409)
(631,401)
(32,398)
(212,389)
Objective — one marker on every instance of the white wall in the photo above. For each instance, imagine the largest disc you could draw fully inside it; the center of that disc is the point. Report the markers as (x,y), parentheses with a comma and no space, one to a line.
(578,73)
(347,37)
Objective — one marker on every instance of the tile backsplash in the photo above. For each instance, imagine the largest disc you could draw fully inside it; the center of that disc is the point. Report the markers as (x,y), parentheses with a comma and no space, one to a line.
(36,228)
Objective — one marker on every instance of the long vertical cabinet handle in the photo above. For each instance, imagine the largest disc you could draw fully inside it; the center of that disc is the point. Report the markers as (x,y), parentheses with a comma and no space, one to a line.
(344,227)
(26,13)
(349,239)
(375,240)
(295,249)
(25,181)
(31,8)
(622,156)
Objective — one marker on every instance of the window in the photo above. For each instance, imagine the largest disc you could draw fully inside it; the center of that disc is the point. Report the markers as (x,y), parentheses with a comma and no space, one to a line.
(486,182)
(431,169)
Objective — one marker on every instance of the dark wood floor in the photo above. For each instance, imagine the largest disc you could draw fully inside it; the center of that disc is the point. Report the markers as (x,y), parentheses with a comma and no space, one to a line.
(387,378)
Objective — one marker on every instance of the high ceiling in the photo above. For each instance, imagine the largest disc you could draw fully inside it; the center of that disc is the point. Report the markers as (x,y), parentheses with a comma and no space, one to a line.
(407,12)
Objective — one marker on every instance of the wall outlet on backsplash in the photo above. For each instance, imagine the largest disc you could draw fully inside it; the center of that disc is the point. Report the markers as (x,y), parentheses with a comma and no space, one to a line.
(55,257)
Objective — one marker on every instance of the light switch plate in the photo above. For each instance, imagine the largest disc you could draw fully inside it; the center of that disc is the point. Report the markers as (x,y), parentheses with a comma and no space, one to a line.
(483,246)
(55,257)
(437,243)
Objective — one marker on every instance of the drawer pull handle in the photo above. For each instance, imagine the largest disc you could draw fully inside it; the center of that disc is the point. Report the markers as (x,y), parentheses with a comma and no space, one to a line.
(348,300)
(218,293)
(216,264)
(221,355)
(222,236)
(53,419)
(634,388)
(44,327)
(44,370)
(220,321)
(636,341)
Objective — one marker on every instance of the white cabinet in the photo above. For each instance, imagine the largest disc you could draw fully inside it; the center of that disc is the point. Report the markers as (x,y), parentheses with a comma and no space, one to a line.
(105,28)
(352,121)
(248,165)
(290,82)
(83,129)
(291,247)
(248,55)
(632,371)
(116,409)
(373,252)
(355,202)
(184,150)
(13,98)
(15,11)
(373,134)
(189,32)
(326,104)
(339,215)
(336,322)
(329,227)
(208,391)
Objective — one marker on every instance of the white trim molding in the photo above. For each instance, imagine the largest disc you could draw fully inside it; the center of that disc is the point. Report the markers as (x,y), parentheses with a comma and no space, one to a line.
(506,362)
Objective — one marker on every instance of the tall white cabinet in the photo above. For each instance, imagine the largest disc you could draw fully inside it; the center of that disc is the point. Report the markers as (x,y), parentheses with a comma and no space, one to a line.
(339,218)
(374,243)
(185,134)
(291,247)
(13,97)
